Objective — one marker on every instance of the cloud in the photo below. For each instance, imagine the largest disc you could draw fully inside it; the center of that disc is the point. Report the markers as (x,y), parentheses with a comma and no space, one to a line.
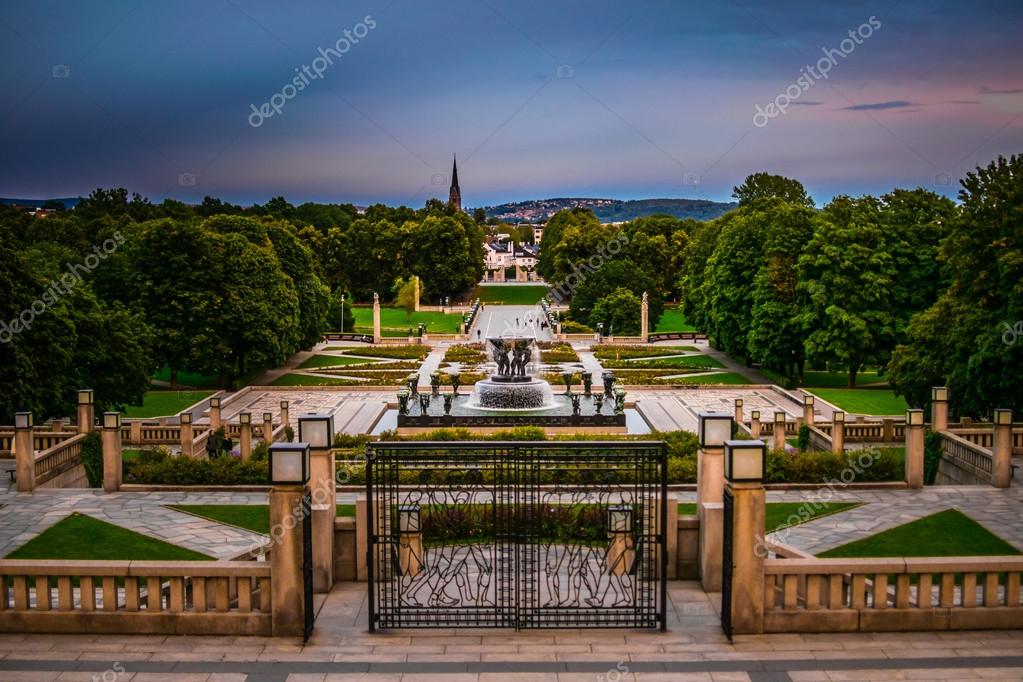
(963,101)
(807,103)
(881,106)
(984,90)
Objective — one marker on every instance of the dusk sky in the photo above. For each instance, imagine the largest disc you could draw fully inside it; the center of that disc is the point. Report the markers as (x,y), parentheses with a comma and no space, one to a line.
(537,98)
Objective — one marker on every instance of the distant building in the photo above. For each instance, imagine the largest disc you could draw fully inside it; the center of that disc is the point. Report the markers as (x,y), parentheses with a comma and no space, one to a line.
(455,193)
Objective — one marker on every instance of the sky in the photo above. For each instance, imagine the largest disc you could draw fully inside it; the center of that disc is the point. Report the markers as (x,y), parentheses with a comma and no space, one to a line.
(367,101)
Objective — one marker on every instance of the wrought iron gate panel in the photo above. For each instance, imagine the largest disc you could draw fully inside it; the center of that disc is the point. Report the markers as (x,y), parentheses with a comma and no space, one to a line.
(522,535)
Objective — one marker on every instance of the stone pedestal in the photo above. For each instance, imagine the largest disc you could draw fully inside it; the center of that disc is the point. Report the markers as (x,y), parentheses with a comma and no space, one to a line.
(215,422)
(738,411)
(268,431)
(754,425)
(838,433)
(808,410)
(322,484)
(111,459)
(1001,449)
(779,431)
(644,318)
(245,441)
(914,450)
(86,418)
(710,485)
(376,318)
(25,459)
(748,555)
(939,408)
(187,436)
(285,421)
(287,601)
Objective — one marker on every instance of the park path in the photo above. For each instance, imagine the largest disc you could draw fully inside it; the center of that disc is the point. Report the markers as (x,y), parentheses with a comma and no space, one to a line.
(511,320)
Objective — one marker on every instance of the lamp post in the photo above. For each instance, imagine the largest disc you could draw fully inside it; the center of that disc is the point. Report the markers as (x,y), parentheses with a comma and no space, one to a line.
(245,434)
(808,410)
(318,431)
(1001,449)
(214,413)
(410,540)
(284,413)
(111,452)
(342,313)
(291,554)
(86,411)
(268,427)
(186,433)
(915,448)
(838,432)
(738,411)
(24,452)
(742,596)
(939,408)
(754,423)
(715,428)
(780,422)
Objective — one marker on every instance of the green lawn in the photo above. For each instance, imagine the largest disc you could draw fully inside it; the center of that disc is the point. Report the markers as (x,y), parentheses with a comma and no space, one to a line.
(864,400)
(672,320)
(332,361)
(719,378)
(784,514)
(190,379)
(815,379)
(510,294)
(394,322)
(307,380)
(673,361)
(254,517)
(83,538)
(947,533)
(165,403)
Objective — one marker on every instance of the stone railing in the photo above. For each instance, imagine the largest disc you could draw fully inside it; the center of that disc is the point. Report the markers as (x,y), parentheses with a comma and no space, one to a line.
(767,428)
(886,431)
(819,440)
(970,463)
(43,440)
(984,437)
(676,336)
(58,460)
(871,595)
(134,597)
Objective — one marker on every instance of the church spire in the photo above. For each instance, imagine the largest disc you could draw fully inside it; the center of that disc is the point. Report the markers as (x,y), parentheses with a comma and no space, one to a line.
(455,194)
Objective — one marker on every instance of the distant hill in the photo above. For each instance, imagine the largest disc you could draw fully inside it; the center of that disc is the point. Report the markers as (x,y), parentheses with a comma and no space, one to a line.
(69,202)
(609,210)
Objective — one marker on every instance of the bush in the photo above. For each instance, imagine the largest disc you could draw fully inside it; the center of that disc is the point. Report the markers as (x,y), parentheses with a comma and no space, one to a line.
(570,327)
(932,456)
(92,458)
(406,352)
(159,467)
(465,353)
(557,352)
(859,466)
(803,439)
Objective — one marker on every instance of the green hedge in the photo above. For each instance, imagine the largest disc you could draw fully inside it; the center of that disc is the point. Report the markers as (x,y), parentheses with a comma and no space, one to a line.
(92,459)
(159,467)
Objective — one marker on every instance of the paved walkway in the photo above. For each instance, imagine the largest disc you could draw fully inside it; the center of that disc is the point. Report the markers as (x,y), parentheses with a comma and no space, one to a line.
(694,648)
(512,320)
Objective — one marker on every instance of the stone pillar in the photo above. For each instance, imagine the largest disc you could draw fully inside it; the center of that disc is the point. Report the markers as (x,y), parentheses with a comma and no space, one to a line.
(416,298)
(86,410)
(779,430)
(111,452)
(187,434)
(287,601)
(285,421)
(215,422)
(887,431)
(318,431)
(939,408)
(808,410)
(245,435)
(1001,450)
(738,411)
(24,452)
(268,427)
(748,555)
(915,448)
(754,423)
(710,485)
(838,432)
(644,318)
(376,318)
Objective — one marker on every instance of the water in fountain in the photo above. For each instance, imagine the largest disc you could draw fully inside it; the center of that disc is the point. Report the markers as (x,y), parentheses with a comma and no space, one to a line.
(513,386)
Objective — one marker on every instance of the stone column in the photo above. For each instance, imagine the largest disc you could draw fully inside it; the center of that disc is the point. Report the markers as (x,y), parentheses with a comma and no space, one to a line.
(939,408)
(287,601)
(754,423)
(808,410)
(285,421)
(710,486)
(779,430)
(416,278)
(24,452)
(245,435)
(111,452)
(376,317)
(838,432)
(86,410)
(1001,450)
(644,318)
(215,422)
(915,448)
(748,555)
(738,411)
(318,431)
(187,434)
(268,427)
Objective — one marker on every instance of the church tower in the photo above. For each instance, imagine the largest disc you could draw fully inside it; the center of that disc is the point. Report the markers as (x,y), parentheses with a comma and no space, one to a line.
(455,194)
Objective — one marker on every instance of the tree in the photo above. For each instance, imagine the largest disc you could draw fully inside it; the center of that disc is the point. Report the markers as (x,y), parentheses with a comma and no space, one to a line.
(617,273)
(766,186)
(479,216)
(445,251)
(619,311)
(405,296)
(847,274)
(340,315)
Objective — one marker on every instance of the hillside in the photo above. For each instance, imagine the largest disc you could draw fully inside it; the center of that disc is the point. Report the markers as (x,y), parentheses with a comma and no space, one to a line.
(609,210)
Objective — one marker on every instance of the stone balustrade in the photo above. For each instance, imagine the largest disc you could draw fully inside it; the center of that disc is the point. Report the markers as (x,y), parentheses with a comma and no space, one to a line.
(872,595)
(60,466)
(135,597)
(970,463)
(43,440)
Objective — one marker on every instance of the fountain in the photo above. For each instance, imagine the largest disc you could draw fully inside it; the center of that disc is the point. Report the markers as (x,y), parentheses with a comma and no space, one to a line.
(513,387)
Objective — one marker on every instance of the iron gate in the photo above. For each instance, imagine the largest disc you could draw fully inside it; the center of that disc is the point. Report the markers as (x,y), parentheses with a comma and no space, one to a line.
(517,535)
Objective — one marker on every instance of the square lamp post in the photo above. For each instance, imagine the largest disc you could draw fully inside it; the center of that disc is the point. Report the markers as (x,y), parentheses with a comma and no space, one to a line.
(111,420)
(22,420)
(317,430)
(289,464)
(745,461)
(715,429)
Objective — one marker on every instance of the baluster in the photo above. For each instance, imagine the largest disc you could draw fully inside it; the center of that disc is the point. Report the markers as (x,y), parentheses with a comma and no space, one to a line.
(1012,589)
(199,600)
(87,592)
(881,591)
(245,594)
(969,590)
(991,597)
(177,594)
(946,598)
(836,592)
(43,595)
(264,595)
(109,593)
(65,593)
(222,594)
(858,598)
(4,598)
(813,592)
(131,594)
(924,589)
(153,595)
(902,591)
(791,596)
(20,593)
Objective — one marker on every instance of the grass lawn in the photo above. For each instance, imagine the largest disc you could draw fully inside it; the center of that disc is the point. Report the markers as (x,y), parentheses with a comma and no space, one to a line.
(307,380)
(393,321)
(947,533)
(778,513)
(864,400)
(254,517)
(164,403)
(332,361)
(718,378)
(509,294)
(83,538)
(189,379)
(814,379)
(673,361)
(672,320)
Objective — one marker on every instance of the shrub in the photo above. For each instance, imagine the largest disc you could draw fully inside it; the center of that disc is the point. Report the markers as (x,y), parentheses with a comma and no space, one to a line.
(92,458)
(406,352)
(803,439)
(859,466)
(557,352)
(465,352)
(162,469)
(570,327)
(932,456)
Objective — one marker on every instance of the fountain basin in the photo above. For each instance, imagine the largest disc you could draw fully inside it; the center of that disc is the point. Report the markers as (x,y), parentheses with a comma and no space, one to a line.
(512,393)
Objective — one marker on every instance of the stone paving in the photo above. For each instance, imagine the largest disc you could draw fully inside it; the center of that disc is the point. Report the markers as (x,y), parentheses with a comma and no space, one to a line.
(355,411)
(694,648)
(673,409)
